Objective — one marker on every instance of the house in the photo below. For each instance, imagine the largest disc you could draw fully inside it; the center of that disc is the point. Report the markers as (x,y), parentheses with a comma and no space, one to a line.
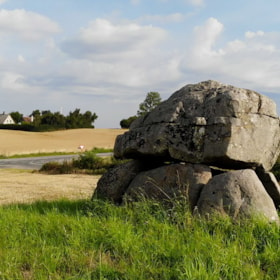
(6,119)
(28,119)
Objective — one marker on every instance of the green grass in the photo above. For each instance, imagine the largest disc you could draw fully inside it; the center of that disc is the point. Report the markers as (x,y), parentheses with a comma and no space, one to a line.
(36,155)
(94,150)
(97,240)
(101,150)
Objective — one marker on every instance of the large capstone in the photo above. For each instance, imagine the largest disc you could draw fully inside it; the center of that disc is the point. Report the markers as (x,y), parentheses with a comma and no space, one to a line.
(208,123)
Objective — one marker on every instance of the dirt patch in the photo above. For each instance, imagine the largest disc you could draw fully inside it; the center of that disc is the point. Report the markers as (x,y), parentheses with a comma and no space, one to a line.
(18,186)
(22,142)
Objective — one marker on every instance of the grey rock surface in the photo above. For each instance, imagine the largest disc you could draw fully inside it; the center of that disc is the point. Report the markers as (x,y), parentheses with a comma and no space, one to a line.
(238,194)
(113,184)
(169,182)
(271,185)
(209,123)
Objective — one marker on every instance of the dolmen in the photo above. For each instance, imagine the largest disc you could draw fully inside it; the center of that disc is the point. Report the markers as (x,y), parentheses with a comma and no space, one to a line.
(210,143)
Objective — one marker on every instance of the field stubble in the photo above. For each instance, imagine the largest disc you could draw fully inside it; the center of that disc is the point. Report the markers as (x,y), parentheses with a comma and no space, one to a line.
(19,186)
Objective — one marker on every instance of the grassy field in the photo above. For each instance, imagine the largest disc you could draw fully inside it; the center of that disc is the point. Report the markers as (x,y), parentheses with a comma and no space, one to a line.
(97,240)
(82,239)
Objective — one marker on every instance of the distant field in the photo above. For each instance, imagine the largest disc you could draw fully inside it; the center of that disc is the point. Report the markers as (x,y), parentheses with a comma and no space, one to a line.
(21,142)
(24,186)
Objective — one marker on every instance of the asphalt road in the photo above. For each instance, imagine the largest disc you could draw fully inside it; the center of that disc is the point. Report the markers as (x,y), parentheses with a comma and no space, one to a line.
(32,162)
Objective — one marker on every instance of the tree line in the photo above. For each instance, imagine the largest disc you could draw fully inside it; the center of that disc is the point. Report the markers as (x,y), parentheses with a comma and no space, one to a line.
(47,120)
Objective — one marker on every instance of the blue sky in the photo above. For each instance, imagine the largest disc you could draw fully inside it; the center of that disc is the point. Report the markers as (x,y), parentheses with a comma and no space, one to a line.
(105,56)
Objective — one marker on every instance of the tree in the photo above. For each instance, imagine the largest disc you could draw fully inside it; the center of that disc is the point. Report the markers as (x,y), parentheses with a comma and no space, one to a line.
(88,119)
(36,114)
(151,101)
(56,120)
(125,123)
(52,119)
(79,120)
(46,112)
(17,117)
(73,120)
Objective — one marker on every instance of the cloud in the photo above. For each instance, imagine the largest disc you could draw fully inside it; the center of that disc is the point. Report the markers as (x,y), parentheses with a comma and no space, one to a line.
(250,34)
(251,61)
(162,19)
(191,2)
(25,24)
(206,37)
(196,2)
(135,2)
(103,37)
(11,81)
(21,58)
(119,59)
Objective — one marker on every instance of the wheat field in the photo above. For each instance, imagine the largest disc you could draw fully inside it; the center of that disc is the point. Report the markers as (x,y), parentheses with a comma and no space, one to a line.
(23,186)
(22,142)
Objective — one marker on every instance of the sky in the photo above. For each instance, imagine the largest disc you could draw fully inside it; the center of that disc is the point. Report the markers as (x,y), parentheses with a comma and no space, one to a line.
(105,56)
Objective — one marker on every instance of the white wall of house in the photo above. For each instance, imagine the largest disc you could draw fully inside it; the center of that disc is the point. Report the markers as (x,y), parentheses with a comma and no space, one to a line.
(9,120)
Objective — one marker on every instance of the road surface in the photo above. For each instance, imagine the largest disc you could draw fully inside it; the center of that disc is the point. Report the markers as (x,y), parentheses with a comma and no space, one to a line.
(36,163)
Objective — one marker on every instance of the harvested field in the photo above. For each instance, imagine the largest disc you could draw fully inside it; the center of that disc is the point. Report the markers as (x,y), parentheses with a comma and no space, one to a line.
(17,186)
(23,186)
(22,142)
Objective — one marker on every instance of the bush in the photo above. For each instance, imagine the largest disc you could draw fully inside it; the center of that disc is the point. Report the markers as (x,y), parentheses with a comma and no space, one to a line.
(58,168)
(125,123)
(87,162)
(31,127)
(23,127)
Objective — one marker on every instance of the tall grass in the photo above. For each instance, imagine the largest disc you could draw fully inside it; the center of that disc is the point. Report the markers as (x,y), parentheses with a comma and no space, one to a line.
(97,240)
